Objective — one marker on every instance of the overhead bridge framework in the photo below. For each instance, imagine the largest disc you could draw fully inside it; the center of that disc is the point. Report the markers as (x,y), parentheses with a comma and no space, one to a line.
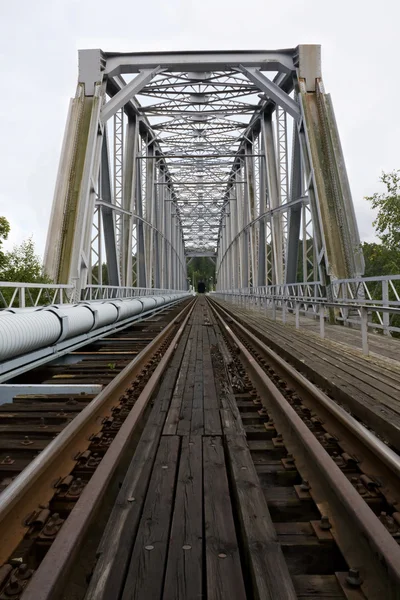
(232,155)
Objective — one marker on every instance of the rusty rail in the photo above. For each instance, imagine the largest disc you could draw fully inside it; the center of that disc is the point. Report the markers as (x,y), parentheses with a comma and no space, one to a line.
(363,539)
(35,485)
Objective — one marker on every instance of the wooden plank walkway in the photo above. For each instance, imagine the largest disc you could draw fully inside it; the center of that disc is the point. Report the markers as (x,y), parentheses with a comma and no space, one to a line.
(191,520)
(380,345)
(368,386)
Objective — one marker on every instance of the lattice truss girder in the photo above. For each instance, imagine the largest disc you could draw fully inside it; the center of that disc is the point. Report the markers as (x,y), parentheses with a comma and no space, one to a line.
(202,153)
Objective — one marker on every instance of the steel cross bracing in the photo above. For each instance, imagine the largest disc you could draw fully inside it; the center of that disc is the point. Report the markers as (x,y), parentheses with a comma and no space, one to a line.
(231,155)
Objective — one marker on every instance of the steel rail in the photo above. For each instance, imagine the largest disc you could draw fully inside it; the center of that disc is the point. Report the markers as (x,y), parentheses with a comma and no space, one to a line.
(49,579)
(373,443)
(365,542)
(35,485)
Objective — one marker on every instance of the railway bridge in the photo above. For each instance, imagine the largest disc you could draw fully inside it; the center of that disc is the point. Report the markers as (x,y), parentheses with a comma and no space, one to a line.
(241,444)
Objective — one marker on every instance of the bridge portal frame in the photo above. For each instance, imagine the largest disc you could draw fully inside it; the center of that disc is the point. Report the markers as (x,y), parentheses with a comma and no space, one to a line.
(135,216)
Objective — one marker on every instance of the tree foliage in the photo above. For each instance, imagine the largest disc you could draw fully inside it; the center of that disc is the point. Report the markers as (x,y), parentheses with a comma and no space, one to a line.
(201,268)
(22,264)
(4,231)
(387,222)
(380,259)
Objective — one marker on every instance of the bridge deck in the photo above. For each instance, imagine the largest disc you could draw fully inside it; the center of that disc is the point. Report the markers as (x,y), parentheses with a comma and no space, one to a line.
(379,345)
(197,523)
(368,386)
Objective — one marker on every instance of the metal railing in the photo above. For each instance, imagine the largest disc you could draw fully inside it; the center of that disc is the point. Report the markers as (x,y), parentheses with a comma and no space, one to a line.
(22,295)
(105,292)
(365,303)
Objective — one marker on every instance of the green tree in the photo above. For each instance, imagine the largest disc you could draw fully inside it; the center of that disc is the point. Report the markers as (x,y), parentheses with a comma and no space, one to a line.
(4,231)
(201,268)
(387,222)
(22,264)
(380,259)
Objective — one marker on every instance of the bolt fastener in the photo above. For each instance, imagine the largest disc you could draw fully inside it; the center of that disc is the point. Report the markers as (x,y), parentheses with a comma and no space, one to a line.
(353,578)
(325,523)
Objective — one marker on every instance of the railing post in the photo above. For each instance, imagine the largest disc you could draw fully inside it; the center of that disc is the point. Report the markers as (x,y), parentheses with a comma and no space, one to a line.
(283,311)
(322,321)
(273,309)
(22,297)
(364,330)
(297,315)
(385,314)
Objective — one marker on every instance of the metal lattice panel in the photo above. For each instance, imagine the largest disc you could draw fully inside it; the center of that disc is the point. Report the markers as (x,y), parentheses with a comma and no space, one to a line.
(198,165)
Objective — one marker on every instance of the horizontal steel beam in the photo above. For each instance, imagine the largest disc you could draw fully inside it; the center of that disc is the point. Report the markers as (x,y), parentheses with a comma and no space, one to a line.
(200,254)
(267,60)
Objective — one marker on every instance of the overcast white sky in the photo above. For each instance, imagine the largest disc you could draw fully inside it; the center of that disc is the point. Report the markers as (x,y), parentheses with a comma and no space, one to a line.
(39,40)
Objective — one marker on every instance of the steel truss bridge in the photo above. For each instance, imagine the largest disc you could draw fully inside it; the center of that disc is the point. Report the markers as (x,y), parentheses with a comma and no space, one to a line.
(230,155)
(233,155)
(159,445)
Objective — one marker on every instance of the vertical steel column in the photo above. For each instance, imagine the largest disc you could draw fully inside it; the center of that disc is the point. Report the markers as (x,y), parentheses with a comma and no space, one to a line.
(283,171)
(294,216)
(223,250)
(157,216)
(274,198)
(177,253)
(68,243)
(229,254)
(168,230)
(163,242)
(243,245)
(335,231)
(234,255)
(250,202)
(141,252)
(108,215)
(263,207)
(130,167)
(174,225)
(150,180)
(119,182)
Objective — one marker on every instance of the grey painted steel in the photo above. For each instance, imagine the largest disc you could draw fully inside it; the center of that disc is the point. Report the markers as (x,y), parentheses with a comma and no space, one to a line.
(20,364)
(130,90)
(202,169)
(272,91)
(21,333)
(108,217)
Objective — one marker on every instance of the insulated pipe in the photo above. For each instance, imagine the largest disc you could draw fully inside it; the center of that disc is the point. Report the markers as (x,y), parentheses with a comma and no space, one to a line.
(77,319)
(22,333)
(127,308)
(24,330)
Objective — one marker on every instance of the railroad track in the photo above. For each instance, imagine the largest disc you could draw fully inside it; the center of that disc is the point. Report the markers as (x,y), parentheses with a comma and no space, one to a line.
(246,482)
(55,442)
(350,474)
